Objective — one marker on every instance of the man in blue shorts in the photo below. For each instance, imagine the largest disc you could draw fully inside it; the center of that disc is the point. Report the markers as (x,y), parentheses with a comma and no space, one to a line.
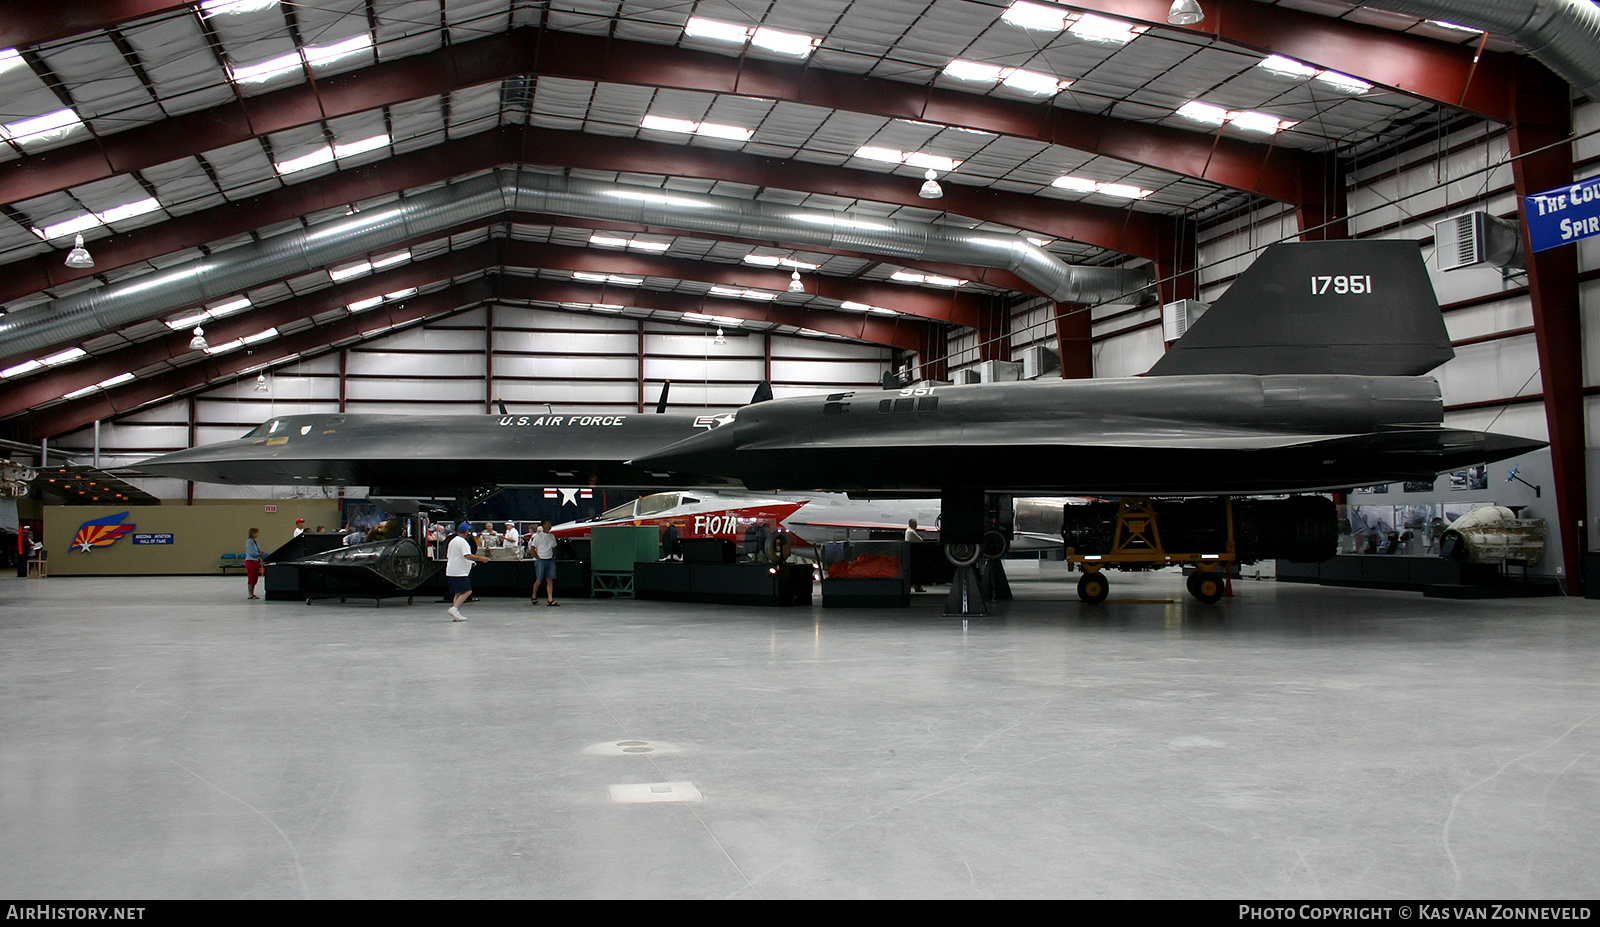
(458,568)
(543,547)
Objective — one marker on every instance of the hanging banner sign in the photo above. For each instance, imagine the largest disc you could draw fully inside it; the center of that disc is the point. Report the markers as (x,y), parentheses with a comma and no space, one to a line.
(1563,215)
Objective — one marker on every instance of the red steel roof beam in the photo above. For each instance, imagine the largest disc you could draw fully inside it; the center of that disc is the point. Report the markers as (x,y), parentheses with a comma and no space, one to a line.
(1431,70)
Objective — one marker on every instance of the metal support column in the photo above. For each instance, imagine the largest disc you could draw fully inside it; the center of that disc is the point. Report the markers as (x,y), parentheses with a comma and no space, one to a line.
(1541,126)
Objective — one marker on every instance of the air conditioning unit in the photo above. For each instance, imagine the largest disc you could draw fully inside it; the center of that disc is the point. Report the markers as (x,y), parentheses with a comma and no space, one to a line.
(995,371)
(1478,238)
(1038,361)
(1176,317)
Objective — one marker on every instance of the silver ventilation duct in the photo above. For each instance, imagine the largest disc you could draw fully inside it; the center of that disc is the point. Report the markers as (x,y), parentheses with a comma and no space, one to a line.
(1561,34)
(83,315)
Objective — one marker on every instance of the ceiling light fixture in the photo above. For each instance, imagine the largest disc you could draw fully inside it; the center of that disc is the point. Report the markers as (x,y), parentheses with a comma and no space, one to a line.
(719,339)
(930,187)
(198,342)
(79,257)
(1185,13)
(795,286)
(261,383)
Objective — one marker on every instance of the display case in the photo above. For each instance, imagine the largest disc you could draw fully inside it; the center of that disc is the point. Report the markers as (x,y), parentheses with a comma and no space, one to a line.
(865,574)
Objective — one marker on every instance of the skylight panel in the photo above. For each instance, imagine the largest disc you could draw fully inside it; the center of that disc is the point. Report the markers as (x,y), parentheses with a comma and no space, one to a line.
(914,158)
(773,260)
(741,293)
(210,8)
(65,357)
(260,336)
(325,154)
(889,155)
(392,260)
(685,126)
(936,162)
(1344,82)
(352,270)
(1126,191)
(264,70)
(69,227)
(311,56)
(690,127)
(1248,120)
(973,71)
(9,58)
(701,28)
(1203,112)
(905,276)
(188,321)
(319,55)
(128,211)
(715,130)
(95,219)
(1016,78)
(362,305)
(1035,16)
(322,155)
(25,367)
(230,307)
(1075,184)
(1092,28)
(607,278)
(1034,82)
(42,130)
(1264,123)
(355,148)
(784,43)
(793,44)
(1278,64)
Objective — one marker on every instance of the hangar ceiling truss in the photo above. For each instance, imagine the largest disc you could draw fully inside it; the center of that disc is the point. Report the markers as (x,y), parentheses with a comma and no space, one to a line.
(166,131)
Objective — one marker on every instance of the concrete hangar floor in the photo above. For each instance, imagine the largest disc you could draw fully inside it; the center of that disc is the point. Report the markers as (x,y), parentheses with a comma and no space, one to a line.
(164,738)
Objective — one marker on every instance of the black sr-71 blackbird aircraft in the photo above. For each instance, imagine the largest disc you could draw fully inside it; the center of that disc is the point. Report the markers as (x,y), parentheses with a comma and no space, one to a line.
(1307,375)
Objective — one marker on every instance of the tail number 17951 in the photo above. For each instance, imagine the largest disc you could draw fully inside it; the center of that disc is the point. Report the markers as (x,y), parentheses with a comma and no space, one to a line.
(1353,284)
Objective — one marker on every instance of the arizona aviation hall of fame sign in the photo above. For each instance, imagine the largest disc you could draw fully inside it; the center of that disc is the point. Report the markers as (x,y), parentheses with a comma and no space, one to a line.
(1563,215)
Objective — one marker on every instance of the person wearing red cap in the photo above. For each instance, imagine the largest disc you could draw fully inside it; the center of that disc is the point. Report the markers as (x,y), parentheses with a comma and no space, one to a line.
(299,527)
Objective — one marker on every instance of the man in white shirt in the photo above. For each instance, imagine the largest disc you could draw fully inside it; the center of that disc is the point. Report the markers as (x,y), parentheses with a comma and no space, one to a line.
(458,569)
(511,536)
(543,547)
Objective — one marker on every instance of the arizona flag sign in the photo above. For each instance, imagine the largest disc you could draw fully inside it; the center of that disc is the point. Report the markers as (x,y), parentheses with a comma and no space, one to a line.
(102,532)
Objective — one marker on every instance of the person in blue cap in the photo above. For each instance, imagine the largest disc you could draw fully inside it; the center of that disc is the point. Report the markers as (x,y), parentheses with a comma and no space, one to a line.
(459,559)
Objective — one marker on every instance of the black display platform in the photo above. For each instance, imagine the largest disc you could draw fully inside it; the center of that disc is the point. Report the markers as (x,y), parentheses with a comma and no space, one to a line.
(723,583)
(495,579)
(1432,576)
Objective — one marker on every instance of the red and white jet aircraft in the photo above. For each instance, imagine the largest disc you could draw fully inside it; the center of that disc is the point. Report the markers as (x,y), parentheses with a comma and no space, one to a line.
(809,519)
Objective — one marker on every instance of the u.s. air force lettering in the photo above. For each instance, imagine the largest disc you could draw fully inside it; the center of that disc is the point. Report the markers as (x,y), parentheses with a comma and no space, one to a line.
(552,421)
